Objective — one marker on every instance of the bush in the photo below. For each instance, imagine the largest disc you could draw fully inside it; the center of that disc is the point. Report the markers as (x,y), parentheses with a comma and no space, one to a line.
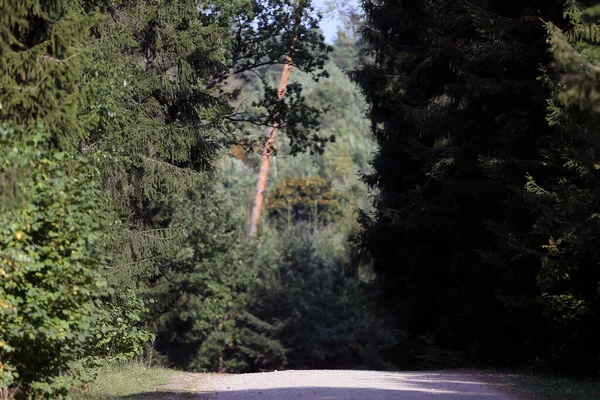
(50,286)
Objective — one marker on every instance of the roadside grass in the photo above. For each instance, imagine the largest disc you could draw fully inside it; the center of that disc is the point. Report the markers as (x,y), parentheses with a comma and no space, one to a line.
(119,382)
(540,387)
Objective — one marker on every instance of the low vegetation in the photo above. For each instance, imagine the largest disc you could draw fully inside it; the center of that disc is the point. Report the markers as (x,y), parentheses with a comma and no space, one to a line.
(541,387)
(126,380)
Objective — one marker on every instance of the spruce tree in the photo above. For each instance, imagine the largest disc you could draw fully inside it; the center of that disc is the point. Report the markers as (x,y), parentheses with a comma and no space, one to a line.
(565,195)
(43,50)
(458,111)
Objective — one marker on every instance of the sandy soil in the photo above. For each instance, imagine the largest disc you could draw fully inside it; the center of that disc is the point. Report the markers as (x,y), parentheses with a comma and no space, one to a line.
(330,384)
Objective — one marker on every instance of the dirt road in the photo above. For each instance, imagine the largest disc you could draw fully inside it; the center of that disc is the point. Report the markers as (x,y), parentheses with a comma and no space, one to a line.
(315,384)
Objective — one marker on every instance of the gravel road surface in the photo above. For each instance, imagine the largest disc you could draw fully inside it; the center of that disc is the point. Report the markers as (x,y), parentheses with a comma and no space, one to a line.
(329,384)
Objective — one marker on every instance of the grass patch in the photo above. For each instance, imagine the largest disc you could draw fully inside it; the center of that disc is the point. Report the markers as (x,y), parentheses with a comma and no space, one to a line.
(126,380)
(542,387)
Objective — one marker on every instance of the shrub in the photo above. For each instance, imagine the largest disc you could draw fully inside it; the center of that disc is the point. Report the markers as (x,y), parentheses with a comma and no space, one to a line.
(50,286)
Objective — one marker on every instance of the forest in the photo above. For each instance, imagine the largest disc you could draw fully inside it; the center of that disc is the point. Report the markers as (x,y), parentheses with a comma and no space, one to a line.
(432,202)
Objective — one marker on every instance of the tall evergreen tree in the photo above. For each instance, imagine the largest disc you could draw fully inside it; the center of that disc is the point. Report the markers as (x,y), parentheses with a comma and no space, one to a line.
(564,197)
(458,113)
(42,56)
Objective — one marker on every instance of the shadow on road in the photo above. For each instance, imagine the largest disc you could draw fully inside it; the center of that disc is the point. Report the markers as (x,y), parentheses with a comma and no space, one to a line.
(318,393)
(170,395)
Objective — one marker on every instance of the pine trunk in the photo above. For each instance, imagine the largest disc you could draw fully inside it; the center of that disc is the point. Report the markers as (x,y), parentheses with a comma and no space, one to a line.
(267,153)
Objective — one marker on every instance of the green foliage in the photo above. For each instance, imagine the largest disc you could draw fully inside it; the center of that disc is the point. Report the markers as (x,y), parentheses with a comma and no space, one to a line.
(154,110)
(304,199)
(42,55)
(50,288)
(350,48)
(120,336)
(346,52)
(112,224)
(307,283)
(565,196)
(162,107)
(63,318)
(200,303)
(153,119)
(459,115)
(327,319)
(265,34)
(306,287)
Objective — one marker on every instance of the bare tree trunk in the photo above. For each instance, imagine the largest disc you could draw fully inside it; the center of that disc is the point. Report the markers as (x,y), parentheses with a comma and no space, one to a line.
(267,153)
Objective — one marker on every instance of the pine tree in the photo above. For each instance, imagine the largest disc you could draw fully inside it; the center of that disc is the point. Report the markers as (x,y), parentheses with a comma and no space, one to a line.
(306,288)
(349,46)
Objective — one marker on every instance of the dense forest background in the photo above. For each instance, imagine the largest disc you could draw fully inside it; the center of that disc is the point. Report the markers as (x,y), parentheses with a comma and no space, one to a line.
(433,198)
